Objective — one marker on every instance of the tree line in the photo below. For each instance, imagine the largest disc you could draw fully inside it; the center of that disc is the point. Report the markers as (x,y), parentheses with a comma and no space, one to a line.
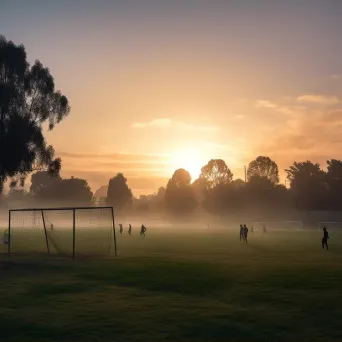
(215,191)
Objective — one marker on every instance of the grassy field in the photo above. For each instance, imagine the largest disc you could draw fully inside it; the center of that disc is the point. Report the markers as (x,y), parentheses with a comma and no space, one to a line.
(178,286)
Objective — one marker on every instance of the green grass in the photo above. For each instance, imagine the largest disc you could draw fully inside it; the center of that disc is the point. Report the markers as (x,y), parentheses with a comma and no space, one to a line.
(179,287)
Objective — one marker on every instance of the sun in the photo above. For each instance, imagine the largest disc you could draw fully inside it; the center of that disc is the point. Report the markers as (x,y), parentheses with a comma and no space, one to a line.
(190,159)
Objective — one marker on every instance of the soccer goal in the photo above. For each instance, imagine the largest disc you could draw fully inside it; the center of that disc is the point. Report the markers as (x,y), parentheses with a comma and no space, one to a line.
(69,232)
(330,225)
(277,225)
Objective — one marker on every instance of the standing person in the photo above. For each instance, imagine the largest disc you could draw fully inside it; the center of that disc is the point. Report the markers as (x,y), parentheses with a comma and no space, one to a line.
(142,230)
(245,233)
(325,238)
(121,228)
(241,232)
(130,229)
(264,229)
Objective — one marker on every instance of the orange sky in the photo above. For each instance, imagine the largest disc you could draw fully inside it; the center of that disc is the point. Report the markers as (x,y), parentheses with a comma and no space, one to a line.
(156,87)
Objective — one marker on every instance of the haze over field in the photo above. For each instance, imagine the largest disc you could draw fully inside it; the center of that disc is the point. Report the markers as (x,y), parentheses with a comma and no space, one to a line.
(156,86)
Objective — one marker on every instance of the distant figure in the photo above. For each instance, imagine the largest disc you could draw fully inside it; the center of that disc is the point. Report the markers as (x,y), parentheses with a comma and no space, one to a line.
(121,228)
(252,229)
(241,232)
(51,227)
(6,237)
(325,238)
(264,228)
(142,230)
(130,229)
(245,233)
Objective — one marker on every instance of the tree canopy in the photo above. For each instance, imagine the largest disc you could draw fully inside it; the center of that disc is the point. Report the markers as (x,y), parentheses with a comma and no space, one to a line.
(263,167)
(28,100)
(119,194)
(216,172)
(179,195)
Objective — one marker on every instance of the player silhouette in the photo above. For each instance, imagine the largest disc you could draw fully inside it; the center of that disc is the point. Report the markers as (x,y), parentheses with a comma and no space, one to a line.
(142,230)
(130,229)
(245,233)
(325,238)
(241,232)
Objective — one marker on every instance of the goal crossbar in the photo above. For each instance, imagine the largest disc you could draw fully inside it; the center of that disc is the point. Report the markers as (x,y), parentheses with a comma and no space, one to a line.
(60,208)
(48,238)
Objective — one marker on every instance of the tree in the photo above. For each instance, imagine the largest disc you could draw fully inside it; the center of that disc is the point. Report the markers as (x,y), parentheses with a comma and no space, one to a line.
(27,100)
(119,194)
(44,185)
(74,191)
(308,185)
(334,181)
(216,172)
(263,167)
(179,195)
(200,187)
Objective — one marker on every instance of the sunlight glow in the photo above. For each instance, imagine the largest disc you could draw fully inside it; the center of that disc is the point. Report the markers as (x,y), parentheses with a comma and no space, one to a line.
(190,160)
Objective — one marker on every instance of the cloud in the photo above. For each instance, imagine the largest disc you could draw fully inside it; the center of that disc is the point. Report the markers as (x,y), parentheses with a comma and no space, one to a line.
(163,122)
(168,123)
(315,137)
(271,105)
(319,99)
(195,127)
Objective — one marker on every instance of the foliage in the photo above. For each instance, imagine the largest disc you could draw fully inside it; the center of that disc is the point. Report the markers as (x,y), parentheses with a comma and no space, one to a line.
(53,189)
(119,195)
(28,100)
(263,167)
(179,195)
(308,185)
(216,172)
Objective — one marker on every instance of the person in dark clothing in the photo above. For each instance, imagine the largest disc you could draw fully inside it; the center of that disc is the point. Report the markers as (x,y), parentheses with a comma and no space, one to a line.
(143,230)
(121,228)
(245,233)
(325,238)
(130,229)
(241,232)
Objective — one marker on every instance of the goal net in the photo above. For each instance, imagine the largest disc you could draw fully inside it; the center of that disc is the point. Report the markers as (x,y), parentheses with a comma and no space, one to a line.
(62,231)
(277,225)
(330,225)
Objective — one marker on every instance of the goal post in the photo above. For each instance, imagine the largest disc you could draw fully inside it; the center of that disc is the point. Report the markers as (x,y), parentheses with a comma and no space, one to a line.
(65,231)
(330,225)
(277,225)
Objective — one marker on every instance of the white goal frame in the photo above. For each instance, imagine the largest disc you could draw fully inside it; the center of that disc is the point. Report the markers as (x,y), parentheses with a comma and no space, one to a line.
(268,223)
(338,225)
(41,211)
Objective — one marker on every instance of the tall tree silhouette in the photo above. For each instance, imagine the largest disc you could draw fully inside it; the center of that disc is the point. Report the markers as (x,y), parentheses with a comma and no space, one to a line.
(216,172)
(263,167)
(27,100)
(308,185)
(119,194)
(179,195)
(334,180)
(43,185)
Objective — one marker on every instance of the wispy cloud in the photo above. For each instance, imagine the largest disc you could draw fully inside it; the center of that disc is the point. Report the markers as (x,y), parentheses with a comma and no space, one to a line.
(168,123)
(196,127)
(163,122)
(271,105)
(319,99)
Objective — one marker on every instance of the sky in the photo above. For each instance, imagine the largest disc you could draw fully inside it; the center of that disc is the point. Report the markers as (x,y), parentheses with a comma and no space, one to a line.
(158,85)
